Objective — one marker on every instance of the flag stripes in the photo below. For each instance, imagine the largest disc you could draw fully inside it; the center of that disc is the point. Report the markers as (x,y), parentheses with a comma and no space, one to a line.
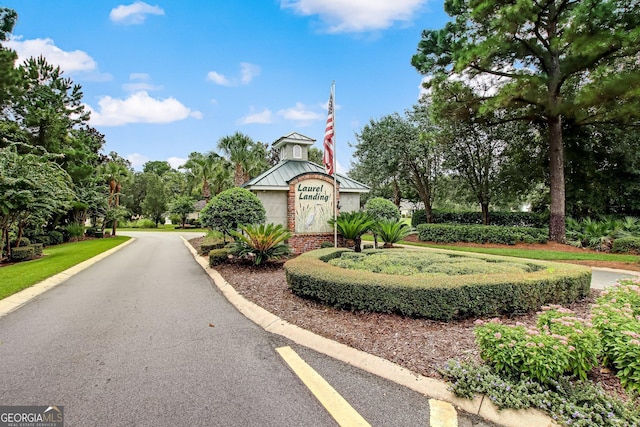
(328,156)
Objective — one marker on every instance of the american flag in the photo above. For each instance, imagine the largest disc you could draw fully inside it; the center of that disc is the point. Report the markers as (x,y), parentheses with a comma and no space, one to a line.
(329,139)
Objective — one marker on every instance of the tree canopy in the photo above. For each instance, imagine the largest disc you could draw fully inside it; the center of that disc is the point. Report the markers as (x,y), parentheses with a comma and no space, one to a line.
(549,62)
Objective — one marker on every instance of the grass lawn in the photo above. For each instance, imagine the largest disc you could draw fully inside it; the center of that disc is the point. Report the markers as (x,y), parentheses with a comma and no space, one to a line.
(538,254)
(16,277)
(165,227)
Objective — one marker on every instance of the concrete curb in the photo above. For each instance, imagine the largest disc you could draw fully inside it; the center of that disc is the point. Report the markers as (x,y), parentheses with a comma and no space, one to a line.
(614,270)
(17,300)
(429,387)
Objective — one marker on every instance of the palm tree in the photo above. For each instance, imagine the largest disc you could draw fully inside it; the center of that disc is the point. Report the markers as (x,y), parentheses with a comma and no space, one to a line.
(202,170)
(114,172)
(247,156)
(352,225)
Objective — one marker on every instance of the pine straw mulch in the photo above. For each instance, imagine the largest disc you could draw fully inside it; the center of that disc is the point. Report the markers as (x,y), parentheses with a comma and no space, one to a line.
(420,345)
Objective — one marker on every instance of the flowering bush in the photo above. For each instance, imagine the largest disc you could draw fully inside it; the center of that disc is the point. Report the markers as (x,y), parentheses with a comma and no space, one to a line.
(616,315)
(561,344)
(571,403)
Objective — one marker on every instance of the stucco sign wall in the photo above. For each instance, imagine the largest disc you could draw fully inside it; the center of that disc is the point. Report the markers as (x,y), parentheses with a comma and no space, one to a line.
(314,206)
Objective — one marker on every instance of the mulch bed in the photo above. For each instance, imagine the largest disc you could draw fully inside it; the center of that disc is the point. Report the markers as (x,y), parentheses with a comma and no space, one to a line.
(420,345)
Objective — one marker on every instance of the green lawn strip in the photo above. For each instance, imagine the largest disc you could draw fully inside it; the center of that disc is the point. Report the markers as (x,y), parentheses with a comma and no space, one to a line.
(16,277)
(170,229)
(536,254)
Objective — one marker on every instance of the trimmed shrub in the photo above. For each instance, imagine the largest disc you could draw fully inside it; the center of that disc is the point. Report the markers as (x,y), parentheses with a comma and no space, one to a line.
(37,249)
(210,245)
(22,253)
(445,233)
(379,208)
(630,245)
(327,245)
(232,208)
(218,256)
(42,239)
(438,296)
(24,241)
(56,237)
(509,219)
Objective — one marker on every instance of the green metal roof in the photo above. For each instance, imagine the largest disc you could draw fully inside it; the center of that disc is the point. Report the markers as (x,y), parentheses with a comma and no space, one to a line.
(278,177)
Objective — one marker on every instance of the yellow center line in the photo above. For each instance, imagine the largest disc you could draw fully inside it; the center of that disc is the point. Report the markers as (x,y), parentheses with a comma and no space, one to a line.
(335,404)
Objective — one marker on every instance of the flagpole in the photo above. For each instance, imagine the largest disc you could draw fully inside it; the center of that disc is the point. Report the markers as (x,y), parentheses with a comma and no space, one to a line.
(335,180)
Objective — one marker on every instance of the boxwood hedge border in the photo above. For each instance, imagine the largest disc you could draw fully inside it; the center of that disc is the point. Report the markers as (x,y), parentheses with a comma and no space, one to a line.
(440,298)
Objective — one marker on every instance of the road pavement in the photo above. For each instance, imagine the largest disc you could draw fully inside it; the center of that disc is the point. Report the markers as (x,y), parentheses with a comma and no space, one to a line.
(143,338)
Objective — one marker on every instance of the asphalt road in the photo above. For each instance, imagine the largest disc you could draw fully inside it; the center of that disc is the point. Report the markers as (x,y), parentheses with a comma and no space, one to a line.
(143,338)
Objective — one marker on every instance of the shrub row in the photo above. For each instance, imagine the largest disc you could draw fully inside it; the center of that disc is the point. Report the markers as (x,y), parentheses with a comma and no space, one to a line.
(218,256)
(210,244)
(25,253)
(445,233)
(437,297)
(509,219)
(629,245)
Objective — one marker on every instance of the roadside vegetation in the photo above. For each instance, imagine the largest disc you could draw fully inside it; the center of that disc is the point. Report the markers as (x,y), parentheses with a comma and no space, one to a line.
(547,367)
(19,276)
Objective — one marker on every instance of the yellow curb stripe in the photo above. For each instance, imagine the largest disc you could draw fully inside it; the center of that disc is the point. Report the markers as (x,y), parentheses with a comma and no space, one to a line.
(442,414)
(336,405)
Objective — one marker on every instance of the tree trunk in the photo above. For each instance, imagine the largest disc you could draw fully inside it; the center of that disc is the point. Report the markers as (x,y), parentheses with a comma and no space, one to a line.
(428,211)
(485,212)
(238,176)
(358,244)
(397,196)
(556,174)
(206,190)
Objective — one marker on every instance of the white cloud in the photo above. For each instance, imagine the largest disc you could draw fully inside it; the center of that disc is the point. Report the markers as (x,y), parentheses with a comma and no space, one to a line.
(139,76)
(139,107)
(301,114)
(355,16)
(141,86)
(141,82)
(263,117)
(135,13)
(176,162)
(218,78)
(70,62)
(248,72)
(137,160)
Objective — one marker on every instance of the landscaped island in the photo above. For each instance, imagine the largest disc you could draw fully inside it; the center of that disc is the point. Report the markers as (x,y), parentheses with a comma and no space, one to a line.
(439,285)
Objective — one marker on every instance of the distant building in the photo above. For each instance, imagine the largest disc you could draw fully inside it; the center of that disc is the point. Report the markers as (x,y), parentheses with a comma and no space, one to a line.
(299,194)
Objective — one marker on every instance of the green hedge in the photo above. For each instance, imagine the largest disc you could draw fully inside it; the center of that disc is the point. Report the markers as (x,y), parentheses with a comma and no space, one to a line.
(630,245)
(42,239)
(56,237)
(218,256)
(445,233)
(210,244)
(22,253)
(37,249)
(439,297)
(509,219)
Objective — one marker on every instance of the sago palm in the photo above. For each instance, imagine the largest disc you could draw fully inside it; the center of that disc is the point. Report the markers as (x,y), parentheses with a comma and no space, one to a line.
(264,242)
(352,225)
(391,231)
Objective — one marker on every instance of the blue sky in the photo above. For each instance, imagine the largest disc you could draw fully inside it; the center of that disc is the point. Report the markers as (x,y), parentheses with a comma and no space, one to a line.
(165,78)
